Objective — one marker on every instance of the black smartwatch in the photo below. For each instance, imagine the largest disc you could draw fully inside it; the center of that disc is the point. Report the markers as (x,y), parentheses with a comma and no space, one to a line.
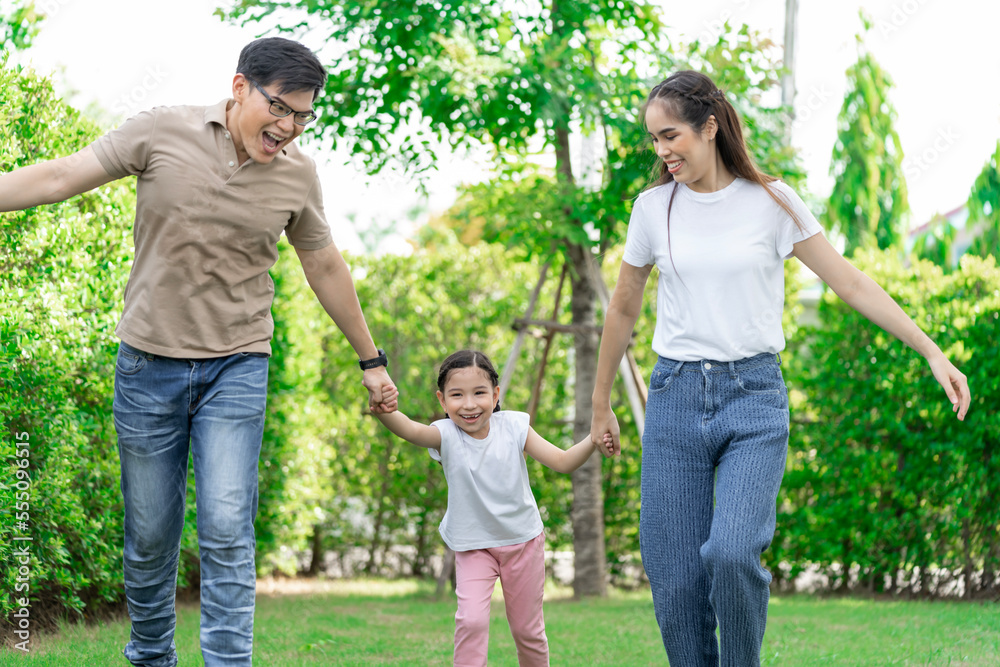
(380,360)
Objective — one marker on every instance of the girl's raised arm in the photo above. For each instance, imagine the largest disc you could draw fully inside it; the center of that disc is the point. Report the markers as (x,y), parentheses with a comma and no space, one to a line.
(561,460)
(421,435)
(865,296)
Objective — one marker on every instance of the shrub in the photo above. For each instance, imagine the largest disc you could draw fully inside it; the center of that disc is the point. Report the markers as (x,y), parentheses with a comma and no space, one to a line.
(62,271)
(885,489)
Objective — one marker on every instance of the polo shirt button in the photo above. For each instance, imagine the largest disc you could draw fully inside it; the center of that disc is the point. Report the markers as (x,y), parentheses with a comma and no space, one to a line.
(232,164)
(227,135)
(708,367)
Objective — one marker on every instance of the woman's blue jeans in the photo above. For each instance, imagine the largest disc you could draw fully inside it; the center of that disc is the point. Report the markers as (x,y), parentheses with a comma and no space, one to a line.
(713,455)
(163,409)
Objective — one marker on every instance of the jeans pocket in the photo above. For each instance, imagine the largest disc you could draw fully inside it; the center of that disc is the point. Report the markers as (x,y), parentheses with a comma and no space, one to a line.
(762,380)
(660,381)
(129,363)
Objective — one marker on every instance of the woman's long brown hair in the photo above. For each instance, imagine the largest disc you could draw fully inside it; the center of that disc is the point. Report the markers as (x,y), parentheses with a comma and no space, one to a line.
(693,98)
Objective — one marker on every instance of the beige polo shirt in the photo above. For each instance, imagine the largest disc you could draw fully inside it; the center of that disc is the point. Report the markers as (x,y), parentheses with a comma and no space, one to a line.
(206,231)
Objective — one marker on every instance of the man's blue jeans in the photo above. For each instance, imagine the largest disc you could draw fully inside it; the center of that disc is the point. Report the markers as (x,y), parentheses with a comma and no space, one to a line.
(713,455)
(163,408)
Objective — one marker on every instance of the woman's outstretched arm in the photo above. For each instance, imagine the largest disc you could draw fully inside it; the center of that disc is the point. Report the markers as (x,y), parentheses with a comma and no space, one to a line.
(865,296)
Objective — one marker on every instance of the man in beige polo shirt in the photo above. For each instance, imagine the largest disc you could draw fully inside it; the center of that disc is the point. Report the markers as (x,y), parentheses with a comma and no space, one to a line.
(217,186)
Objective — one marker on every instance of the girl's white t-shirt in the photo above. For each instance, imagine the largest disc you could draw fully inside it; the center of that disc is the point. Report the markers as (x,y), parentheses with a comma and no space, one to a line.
(725,300)
(490,503)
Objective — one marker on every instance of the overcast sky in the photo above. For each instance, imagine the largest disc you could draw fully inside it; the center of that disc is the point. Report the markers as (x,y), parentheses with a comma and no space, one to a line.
(128,55)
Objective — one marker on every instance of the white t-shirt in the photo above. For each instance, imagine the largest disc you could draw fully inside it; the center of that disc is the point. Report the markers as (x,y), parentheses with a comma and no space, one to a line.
(728,249)
(490,503)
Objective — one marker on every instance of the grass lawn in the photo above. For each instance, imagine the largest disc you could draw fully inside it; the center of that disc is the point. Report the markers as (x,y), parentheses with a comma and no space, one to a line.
(399,623)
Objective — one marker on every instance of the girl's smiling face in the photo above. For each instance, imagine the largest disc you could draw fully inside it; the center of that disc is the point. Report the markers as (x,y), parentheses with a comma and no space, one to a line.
(468,399)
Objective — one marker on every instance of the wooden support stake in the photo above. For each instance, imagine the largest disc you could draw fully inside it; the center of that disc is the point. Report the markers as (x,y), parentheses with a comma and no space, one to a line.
(515,351)
(536,390)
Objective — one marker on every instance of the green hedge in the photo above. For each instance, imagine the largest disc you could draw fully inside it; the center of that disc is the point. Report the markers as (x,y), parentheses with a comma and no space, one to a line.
(886,490)
(62,272)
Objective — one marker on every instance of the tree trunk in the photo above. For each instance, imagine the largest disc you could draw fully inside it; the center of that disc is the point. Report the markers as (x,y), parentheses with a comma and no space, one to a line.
(590,560)
(588,499)
(383,500)
(788,78)
(316,560)
(447,573)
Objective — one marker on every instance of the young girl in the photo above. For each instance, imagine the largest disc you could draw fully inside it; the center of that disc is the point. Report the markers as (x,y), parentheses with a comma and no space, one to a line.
(716,434)
(492,522)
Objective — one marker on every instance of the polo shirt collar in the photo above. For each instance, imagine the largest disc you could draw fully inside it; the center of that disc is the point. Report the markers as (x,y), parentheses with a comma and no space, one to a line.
(217,113)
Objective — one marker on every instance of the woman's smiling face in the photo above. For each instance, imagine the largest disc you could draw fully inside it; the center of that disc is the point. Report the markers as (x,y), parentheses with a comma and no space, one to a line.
(690,156)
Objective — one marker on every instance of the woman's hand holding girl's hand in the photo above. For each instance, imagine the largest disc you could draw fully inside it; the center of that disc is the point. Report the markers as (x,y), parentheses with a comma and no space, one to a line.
(607,445)
(955,384)
(604,431)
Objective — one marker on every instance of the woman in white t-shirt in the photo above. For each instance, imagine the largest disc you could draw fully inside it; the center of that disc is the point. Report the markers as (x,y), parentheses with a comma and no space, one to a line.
(492,521)
(716,433)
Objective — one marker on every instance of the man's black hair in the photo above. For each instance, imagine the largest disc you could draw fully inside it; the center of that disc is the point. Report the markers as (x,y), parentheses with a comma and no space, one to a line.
(283,61)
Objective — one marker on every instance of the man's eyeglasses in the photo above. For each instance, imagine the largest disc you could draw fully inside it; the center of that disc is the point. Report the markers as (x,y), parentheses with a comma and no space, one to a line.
(281,110)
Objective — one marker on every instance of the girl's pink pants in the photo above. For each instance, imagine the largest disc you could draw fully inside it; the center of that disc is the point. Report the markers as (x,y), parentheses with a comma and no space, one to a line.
(521,568)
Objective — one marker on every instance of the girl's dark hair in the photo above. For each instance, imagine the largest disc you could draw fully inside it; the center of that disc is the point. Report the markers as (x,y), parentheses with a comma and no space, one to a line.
(279,60)
(469,359)
(693,98)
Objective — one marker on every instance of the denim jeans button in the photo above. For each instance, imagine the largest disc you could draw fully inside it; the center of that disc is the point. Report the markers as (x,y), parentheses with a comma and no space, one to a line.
(708,367)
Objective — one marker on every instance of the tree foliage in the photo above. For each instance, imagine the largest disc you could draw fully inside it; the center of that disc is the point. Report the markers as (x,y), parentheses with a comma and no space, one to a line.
(522,78)
(936,243)
(19,23)
(984,208)
(869,198)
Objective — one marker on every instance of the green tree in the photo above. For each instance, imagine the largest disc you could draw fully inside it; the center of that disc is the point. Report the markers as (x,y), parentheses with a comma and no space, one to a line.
(515,77)
(869,198)
(936,243)
(19,23)
(525,80)
(984,208)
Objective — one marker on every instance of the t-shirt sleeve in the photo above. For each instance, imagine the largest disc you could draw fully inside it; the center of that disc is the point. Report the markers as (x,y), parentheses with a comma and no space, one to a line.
(638,250)
(518,424)
(308,229)
(789,233)
(125,151)
(441,425)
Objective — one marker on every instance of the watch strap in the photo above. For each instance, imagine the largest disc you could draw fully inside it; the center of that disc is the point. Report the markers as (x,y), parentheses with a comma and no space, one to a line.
(380,360)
